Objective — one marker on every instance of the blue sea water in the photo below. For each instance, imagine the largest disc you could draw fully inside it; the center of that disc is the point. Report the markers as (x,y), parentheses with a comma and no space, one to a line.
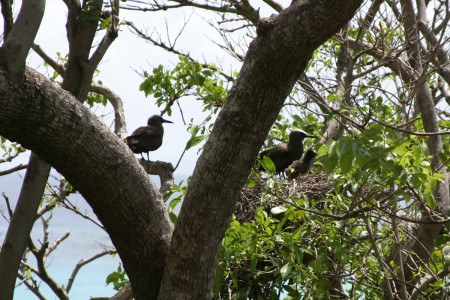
(85,240)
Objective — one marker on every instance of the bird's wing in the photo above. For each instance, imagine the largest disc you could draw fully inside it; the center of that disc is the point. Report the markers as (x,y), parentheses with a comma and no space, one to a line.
(144,130)
(277,151)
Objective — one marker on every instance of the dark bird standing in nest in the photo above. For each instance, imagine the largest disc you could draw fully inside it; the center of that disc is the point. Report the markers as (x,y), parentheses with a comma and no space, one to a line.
(283,155)
(147,138)
(301,166)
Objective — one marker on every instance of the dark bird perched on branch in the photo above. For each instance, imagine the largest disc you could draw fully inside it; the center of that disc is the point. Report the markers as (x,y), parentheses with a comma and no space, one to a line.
(283,155)
(147,138)
(301,166)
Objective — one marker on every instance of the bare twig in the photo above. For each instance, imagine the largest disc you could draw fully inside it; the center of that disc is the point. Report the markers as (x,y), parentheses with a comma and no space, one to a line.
(82,263)
(14,169)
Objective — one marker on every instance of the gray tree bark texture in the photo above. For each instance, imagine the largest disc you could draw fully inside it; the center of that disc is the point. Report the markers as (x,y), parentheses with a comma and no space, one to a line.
(274,61)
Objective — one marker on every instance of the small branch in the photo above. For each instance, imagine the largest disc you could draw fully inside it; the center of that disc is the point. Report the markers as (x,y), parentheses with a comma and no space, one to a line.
(8,205)
(14,169)
(275,5)
(441,275)
(33,287)
(10,157)
(53,63)
(170,48)
(42,271)
(22,223)
(56,244)
(398,255)
(74,209)
(378,256)
(82,263)
(411,132)
(179,160)
(120,127)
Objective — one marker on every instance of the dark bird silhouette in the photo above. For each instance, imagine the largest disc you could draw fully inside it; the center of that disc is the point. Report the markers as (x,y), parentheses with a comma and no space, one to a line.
(147,138)
(301,166)
(283,155)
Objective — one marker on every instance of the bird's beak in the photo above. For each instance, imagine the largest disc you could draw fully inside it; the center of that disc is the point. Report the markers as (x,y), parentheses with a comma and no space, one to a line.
(165,121)
(311,136)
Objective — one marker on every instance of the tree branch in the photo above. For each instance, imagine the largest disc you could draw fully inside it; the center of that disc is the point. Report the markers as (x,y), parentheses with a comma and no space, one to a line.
(14,169)
(82,263)
(10,157)
(7,17)
(120,126)
(22,34)
(163,169)
(21,224)
(39,254)
(53,63)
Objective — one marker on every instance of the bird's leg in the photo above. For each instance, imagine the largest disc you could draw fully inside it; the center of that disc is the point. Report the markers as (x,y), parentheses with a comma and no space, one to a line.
(143,156)
(148,159)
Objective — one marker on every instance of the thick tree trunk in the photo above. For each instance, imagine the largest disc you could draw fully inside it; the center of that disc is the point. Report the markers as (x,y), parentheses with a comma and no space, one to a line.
(51,122)
(275,60)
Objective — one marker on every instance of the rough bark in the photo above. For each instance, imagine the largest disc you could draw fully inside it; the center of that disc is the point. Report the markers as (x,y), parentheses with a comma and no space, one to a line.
(274,61)
(57,127)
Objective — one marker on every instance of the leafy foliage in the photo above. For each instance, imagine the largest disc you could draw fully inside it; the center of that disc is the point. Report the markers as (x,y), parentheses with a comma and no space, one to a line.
(186,79)
(117,278)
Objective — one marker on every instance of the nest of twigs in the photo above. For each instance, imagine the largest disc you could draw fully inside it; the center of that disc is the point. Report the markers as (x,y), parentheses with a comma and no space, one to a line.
(314,186)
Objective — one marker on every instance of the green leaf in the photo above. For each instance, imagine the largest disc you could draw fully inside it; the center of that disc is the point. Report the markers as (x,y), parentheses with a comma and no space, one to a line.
(431,201)
(285,218)
(194,141)
(344,145)
(218,281)
(331,147)
(251,184)
(330,164)
(285,271)
(268,164)
(346,162)
(402,148)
